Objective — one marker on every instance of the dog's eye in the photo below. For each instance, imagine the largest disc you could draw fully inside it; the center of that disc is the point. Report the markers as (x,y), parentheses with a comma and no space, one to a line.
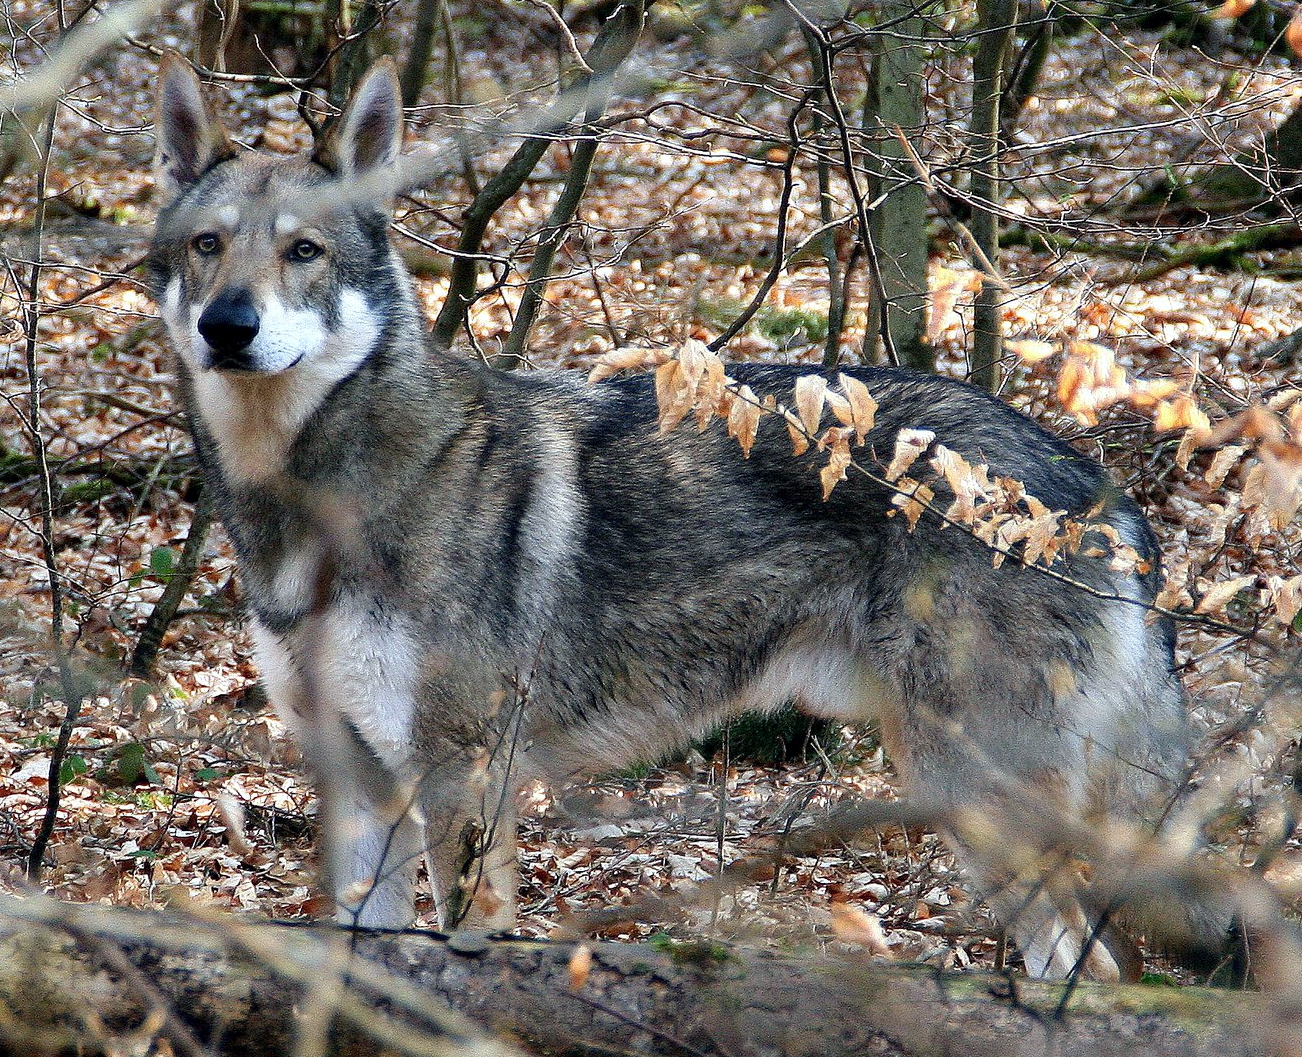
(206,244)
(305,250)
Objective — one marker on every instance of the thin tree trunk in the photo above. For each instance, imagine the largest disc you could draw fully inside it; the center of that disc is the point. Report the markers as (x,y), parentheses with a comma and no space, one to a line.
(422,43)
(996,25)
(899,221)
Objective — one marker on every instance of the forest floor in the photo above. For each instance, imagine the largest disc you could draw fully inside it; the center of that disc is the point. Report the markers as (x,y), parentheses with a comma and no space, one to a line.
(187,788)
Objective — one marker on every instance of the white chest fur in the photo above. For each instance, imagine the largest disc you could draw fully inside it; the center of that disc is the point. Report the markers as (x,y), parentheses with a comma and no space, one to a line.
(352,661)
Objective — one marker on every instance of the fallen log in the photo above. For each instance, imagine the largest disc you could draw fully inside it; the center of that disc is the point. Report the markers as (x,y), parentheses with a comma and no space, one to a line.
(86,978)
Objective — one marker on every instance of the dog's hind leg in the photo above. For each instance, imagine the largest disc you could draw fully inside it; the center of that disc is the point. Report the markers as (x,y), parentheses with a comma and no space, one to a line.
(1026,749)
(470,843)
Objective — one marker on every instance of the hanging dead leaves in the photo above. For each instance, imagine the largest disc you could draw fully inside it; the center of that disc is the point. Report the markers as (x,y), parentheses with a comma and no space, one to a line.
(1255,469)
(695,381)
(1260,449)
(999,512)
(1090,379)
(1262,444)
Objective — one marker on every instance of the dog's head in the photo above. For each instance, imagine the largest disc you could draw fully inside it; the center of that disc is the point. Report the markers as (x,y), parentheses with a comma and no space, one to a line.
(260,264)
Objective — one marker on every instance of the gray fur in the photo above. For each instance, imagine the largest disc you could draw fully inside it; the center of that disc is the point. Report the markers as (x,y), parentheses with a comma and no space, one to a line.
(483,577)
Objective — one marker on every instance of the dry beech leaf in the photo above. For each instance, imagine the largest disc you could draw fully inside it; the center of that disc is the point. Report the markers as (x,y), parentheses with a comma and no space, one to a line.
(1040,534)
(1071,383)
(1216,596)
(838,461)
(667,382)
(617,360)
(909,444)
(1284,399)
(1175,592)
(968,483)
(809,400)
(1189,443)
(839,406)
(1149,394)
(912,500)
(693,356)
(744,418)
(1090,379)
(1274,485)
(1179,413)
(673,394)
(1126,560)
(1284,597)
(710,390)
(1030,350)
(799,441)
(863,408)
(1293,34)
(1257,423)
(947,290)
(1222,463)
(580,966)
(1232,9)
(852,925)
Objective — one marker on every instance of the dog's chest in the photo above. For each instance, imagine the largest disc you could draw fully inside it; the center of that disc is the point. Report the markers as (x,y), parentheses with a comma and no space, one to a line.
(352,659)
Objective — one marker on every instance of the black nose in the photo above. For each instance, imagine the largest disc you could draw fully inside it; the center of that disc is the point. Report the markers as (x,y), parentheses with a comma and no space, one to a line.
(228,325)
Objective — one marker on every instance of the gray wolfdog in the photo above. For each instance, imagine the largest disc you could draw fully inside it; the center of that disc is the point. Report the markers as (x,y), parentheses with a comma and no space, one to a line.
(461,579)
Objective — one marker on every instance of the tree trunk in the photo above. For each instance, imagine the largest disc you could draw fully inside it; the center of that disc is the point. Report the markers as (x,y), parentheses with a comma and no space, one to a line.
(898,226)
(606,54)
(422,44)
(87,976)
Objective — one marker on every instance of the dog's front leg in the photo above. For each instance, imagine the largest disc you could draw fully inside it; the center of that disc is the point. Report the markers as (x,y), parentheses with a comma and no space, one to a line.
(372,832)
(371,826)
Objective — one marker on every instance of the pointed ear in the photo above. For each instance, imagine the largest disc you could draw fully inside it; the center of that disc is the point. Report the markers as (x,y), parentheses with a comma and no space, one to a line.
(188,142)
(368,135)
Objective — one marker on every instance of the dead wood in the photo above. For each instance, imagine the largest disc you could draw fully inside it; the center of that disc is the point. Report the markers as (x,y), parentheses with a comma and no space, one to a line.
(85,977)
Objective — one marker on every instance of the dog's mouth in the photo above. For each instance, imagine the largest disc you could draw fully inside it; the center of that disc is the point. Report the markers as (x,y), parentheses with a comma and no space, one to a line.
(241,363)
(238,361)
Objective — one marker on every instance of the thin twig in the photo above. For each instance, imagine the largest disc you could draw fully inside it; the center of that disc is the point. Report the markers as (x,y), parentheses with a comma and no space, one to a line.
(780,237)
(164,611)
(48,500)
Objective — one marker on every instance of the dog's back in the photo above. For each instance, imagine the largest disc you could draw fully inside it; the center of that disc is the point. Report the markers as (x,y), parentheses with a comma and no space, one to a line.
(461,578)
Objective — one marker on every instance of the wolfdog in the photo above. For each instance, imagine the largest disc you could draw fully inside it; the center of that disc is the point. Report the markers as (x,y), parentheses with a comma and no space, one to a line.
(461,579)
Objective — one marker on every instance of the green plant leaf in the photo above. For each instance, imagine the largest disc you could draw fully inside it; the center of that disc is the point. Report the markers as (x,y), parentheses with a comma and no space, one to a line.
(73,767)
(162,561)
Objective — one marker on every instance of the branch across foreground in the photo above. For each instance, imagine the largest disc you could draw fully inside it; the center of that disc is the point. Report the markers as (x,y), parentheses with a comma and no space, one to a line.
(85,976)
